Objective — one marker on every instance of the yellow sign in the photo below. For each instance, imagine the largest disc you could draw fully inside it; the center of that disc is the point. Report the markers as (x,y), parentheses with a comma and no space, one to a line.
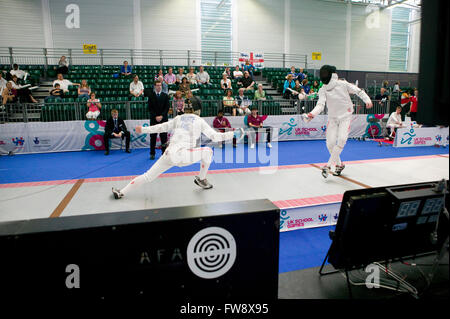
(317,56)
(89,48)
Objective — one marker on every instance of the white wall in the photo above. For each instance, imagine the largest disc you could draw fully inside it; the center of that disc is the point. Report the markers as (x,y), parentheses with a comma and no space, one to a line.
(21,23)
(269,26)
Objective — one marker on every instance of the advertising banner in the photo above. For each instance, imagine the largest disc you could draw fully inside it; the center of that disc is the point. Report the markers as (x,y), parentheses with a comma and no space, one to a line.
(421,136)
(39,137)
(308,217)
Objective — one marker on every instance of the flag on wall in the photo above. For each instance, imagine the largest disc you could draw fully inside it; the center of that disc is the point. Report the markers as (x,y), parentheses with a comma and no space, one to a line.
(255,59)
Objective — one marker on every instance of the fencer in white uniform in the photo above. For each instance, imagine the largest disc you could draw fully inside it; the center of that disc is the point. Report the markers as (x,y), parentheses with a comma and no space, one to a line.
(182,151)
(336,94)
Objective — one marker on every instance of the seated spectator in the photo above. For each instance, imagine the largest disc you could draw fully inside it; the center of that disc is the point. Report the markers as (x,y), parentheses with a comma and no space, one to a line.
(84,90)
(293,73)
(170,78)
(289,83)
(125,69)
(396,87)
(164,85)
(305,85)
(243,102)
(385,84)
(180,76)
(228,73)
(178,103)
(23,94)
(195,102)
(115,128)
(56,93)
(229,104)
(222,124)
(202,77)
(184,87)
(246,82)
(248,67)
(225,83)
(136,87)
(2,83)
(94,107)
(8,95)
(301,76)
(394,122)
(316,86)
(312,94)
(237,74)
(191,76)
(63,65)
(64,84)
(256,123)
(22,75)
(260,95)
(160,73)
(297,88)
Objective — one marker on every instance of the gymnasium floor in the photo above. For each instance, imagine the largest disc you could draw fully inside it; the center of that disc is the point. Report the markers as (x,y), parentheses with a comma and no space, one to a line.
(77,183)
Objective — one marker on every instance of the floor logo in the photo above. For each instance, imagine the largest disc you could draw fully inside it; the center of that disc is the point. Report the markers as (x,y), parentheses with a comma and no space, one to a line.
(211,252)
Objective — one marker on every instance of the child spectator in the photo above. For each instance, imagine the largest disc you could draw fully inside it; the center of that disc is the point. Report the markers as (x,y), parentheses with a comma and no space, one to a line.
(178,103)
(56,93)
(94,107)
(305,85)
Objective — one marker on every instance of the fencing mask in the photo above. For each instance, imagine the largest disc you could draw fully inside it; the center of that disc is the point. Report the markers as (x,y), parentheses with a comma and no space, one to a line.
(325,73)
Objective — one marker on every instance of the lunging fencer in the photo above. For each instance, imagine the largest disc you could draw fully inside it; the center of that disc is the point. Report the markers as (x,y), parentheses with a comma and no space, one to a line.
(182,151)
(336,94)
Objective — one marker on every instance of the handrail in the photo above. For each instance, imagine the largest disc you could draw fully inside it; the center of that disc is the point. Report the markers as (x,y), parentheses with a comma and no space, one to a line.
(104,56)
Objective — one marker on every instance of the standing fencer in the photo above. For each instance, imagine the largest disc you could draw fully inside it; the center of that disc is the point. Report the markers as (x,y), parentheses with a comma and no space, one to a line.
(182,150)
(336,94)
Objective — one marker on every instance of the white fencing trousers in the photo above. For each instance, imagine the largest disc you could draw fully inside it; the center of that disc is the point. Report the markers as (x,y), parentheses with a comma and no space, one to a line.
(337,135)
(174,156)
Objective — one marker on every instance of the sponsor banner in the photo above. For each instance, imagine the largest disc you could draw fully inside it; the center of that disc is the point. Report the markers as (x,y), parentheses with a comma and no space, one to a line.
(421,136)
(38,137)
(308,217)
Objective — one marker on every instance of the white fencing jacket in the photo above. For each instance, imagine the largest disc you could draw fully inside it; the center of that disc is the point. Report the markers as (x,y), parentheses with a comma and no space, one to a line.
(336,94)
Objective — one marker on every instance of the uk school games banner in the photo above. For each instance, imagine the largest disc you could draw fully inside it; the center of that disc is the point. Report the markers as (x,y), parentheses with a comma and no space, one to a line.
(423,136)
(37,137)
(308,217)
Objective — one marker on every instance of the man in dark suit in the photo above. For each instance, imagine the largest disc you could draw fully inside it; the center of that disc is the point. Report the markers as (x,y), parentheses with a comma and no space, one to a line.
(158,105)
(116,128)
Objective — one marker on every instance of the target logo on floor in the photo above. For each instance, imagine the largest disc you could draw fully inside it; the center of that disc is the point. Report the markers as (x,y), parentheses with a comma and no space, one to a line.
(211,252)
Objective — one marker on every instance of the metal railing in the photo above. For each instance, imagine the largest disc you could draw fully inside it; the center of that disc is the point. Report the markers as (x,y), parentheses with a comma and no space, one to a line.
(138,110)
(49,57)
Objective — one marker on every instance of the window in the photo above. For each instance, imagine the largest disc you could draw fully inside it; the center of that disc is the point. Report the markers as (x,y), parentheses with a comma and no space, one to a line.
(400,32)
(216,31)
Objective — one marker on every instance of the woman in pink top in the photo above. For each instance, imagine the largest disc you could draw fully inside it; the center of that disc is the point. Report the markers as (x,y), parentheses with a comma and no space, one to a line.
(94,106)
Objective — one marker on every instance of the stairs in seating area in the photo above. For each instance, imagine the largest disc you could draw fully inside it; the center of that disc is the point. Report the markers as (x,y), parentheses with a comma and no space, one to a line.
(287,106)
